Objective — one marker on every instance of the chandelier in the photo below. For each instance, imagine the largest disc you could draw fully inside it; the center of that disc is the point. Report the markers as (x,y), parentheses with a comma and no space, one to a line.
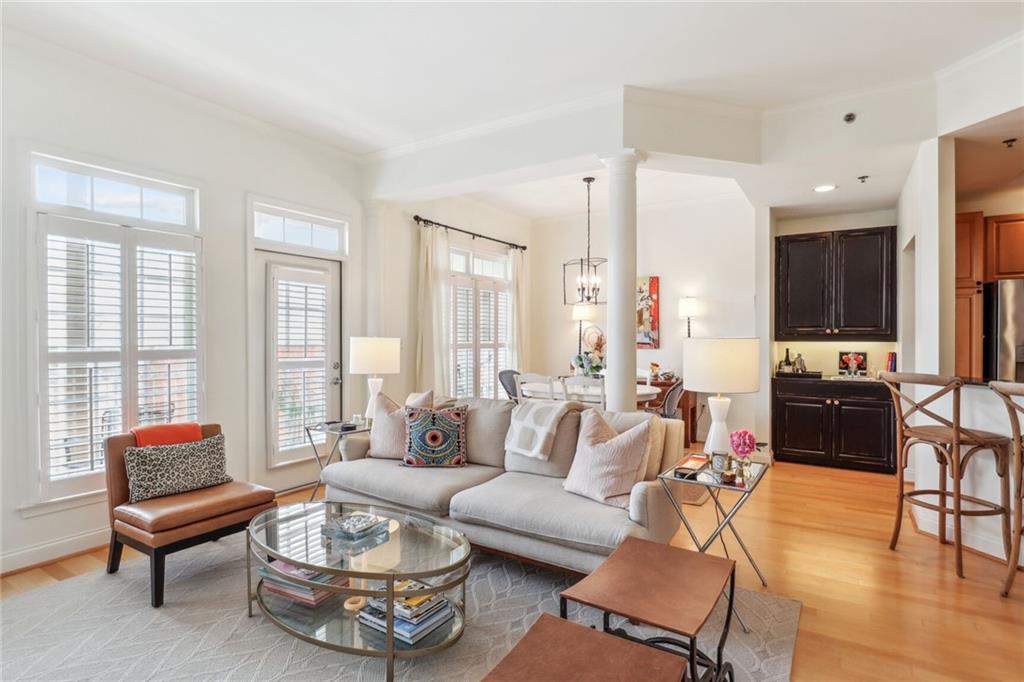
(580,275)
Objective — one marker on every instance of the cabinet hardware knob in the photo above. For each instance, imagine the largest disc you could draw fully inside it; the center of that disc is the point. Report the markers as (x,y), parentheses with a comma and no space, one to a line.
(828,402)
(835,402)
(828,331)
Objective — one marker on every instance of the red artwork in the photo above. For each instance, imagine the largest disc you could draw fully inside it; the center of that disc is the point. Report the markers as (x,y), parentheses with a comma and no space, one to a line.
(647,317)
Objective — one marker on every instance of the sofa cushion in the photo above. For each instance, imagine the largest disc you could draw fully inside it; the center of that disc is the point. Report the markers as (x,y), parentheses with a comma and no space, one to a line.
(562,451)
(624,421)
(425,489)
(608,463)
(537,506)
(486,427)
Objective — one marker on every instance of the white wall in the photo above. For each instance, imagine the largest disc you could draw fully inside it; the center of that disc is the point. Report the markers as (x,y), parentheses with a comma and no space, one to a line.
(703,249)
(66,101)
(393,267)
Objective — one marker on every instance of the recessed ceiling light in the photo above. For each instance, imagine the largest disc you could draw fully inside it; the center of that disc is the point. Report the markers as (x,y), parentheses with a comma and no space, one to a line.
(824,188)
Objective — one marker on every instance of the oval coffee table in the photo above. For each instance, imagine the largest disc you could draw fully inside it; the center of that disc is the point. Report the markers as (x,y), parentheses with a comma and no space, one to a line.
(413,547)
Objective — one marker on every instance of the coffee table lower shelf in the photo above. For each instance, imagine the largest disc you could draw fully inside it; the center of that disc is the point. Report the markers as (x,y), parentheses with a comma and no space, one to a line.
(330,626)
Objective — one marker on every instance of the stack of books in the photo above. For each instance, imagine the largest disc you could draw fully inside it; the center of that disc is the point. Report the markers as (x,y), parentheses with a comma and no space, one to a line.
(300,593)
(415,617)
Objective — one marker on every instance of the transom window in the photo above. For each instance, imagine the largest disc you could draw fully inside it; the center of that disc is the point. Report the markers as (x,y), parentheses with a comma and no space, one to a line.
(85,188)
(303,233)
(481,335)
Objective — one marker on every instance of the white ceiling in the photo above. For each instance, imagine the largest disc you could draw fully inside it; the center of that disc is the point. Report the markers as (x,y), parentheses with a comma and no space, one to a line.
(567,195)
(369,77)
(983,162)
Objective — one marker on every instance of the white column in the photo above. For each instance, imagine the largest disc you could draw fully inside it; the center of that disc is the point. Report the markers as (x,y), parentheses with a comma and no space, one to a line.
(620,378)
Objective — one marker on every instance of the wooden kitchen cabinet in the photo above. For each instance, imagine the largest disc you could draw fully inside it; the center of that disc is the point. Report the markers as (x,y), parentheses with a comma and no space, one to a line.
(836,284)
(1004,236)
(844,424)
(969,331)
(970,249)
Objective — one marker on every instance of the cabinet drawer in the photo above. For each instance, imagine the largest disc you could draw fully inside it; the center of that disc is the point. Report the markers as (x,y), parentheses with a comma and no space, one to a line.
(826,388)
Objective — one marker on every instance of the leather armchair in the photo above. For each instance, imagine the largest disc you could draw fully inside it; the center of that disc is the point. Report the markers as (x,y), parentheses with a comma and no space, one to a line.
(163,525)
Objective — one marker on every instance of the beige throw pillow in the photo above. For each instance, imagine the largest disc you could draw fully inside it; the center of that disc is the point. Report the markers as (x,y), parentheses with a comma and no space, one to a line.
(387,432)
(607,463)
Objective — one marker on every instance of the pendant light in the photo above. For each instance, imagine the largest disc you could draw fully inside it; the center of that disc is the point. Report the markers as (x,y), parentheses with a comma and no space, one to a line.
(580,275)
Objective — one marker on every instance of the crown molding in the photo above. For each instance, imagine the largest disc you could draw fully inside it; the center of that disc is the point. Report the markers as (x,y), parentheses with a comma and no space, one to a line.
(497,125)
(980,55)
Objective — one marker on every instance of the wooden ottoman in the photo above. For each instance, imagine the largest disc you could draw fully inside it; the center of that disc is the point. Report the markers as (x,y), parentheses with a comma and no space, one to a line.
(555,649)
(668,588)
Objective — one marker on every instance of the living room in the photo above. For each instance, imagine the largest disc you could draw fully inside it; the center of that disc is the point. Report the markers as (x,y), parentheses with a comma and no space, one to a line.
(267,154)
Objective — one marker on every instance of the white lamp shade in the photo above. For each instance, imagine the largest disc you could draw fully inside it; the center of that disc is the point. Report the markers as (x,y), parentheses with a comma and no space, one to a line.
(582,312)
(374,355)
(688,307)
(721,365)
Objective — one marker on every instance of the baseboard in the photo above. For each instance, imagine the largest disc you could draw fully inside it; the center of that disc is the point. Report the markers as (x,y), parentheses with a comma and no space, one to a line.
(59,548)
(983,544)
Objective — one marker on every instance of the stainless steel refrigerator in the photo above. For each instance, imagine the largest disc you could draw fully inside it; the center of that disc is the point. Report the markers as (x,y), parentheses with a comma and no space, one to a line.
(1003,355)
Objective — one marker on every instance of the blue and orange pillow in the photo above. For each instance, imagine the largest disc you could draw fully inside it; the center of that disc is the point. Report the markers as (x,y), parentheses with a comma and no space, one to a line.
(435,437)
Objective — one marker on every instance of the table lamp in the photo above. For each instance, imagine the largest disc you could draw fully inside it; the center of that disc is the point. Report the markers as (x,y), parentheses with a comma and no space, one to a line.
(583,312)
(689,307)
(374,355)
(720,366)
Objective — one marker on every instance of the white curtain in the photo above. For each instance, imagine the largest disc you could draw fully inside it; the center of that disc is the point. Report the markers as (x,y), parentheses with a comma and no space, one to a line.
(520,278)
(433,350)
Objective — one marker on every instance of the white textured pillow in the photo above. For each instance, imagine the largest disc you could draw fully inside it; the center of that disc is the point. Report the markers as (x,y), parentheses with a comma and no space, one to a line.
(425,399)
(387,432)
(607,463)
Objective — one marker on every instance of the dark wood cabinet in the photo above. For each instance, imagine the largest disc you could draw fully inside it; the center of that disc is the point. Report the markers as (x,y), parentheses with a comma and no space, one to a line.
(847,424)
(836,284)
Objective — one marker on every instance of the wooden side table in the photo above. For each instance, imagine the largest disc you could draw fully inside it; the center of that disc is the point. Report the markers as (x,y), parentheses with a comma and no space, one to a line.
(666,587)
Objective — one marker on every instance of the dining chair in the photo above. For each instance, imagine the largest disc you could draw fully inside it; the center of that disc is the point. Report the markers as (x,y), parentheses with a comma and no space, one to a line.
(531,378)
(1008,390)
(949,440)
(669,407)
(568,383)
(507,379)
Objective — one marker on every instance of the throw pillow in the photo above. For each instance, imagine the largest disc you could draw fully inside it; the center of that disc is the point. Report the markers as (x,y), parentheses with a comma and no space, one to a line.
(159,470)
(425,399)
(607,464)
(387,432)
(437,438)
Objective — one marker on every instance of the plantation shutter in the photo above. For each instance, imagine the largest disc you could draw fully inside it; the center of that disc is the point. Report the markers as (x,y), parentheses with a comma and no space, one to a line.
(84,321)
(298,357)
(481,335)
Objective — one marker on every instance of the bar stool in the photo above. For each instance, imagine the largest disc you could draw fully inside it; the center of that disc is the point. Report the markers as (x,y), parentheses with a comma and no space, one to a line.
(1007,390)
(947,439)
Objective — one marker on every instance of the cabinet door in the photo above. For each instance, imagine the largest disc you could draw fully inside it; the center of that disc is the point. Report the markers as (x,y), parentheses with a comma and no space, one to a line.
(863,434)
(970,249)
(969,331)
(864,300)
(802,429)
(1005,237)
(803,279)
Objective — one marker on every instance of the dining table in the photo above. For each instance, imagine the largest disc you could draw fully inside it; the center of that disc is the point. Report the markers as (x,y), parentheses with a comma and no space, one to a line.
(583,394)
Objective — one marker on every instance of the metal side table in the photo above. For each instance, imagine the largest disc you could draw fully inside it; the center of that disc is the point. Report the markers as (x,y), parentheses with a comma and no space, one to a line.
(714,485)
(333,429)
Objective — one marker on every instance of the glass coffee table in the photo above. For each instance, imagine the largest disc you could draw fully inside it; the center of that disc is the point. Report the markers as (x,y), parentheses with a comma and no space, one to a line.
(321,604)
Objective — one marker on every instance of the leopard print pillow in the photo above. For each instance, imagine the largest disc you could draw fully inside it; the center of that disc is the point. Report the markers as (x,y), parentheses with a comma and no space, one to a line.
(159,470)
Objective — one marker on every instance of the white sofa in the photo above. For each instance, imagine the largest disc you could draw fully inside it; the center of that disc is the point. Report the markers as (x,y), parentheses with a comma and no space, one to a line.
(515,504)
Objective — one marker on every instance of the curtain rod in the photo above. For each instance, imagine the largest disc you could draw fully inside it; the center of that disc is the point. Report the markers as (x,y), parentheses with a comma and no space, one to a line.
(433,223)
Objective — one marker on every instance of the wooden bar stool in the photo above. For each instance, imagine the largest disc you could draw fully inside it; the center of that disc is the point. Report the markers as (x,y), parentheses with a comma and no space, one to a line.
(1007,391)
(947,438)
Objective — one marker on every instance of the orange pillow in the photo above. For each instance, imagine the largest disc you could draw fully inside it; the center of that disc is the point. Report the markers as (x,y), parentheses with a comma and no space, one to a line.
(167,434)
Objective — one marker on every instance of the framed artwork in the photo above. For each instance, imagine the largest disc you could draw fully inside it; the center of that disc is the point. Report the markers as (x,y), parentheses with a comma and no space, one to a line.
(648,323)
(853,361)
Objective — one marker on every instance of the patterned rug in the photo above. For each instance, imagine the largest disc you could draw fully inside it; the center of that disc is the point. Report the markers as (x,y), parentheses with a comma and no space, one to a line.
(101,627)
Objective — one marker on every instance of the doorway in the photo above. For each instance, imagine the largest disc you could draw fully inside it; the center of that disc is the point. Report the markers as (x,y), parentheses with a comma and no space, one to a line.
(295,333)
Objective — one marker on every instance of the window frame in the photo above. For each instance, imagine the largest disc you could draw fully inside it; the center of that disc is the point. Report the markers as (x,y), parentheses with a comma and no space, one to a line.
(478,283)
(256,203)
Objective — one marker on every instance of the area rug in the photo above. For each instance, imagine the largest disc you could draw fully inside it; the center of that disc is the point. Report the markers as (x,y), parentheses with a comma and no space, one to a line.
(101,627)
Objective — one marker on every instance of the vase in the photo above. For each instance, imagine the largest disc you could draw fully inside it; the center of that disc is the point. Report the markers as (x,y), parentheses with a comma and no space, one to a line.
(746,469)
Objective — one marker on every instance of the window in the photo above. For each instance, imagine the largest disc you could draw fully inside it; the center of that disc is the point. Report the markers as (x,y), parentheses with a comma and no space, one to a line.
(119,329)
(303,232)
(297,356)
(481,336)
(97,191)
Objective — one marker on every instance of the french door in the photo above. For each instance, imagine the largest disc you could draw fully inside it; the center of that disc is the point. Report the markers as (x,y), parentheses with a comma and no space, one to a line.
(298,327)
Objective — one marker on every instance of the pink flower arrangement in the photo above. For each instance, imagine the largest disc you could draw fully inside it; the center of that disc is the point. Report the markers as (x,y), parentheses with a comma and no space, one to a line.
(743,443)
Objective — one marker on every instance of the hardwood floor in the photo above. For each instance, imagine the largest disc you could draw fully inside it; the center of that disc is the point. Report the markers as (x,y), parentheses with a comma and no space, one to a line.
(822,536)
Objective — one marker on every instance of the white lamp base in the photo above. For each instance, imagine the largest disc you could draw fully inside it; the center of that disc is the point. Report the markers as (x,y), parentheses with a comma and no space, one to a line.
(374,384)
(718,433)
